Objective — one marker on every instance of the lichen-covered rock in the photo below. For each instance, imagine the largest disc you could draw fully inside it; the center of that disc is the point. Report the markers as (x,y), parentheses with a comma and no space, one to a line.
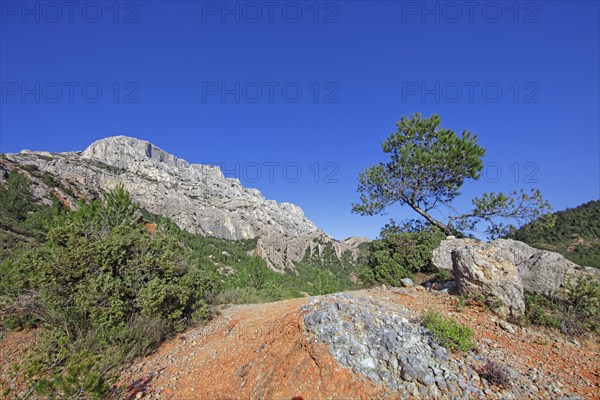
(483,269)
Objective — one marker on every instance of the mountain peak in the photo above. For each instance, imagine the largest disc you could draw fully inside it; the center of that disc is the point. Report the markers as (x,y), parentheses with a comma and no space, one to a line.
(122,151)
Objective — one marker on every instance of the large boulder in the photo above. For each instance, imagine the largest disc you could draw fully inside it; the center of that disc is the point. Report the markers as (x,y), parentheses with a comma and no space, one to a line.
(442,255)
(482,269)
(541,271)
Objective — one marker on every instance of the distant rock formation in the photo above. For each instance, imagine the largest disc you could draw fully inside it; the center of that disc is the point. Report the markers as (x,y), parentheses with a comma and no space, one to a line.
(286,251)
(198,198)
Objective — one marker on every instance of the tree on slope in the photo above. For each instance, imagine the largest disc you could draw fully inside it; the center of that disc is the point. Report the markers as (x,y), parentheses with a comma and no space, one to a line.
(427,167)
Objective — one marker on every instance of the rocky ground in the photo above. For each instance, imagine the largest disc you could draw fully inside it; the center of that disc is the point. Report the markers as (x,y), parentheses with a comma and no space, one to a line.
(344,346)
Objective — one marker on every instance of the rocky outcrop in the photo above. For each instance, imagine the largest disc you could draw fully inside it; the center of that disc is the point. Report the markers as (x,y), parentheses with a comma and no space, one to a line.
(541,271)
(198,198)
(484,270)
(282,251)
(386,346)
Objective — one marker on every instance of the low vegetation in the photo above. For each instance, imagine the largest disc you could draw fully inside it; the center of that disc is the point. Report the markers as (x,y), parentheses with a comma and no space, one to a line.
(573,311)
(448,333)
(495,373)
(103,291)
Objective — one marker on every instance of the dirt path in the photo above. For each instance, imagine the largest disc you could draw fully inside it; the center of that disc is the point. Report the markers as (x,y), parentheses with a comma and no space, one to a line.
(250,351)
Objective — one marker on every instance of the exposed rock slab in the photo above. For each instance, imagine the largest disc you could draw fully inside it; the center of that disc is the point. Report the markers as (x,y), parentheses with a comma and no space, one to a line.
(541,271)
(442,255)
(385,345)
(285,251)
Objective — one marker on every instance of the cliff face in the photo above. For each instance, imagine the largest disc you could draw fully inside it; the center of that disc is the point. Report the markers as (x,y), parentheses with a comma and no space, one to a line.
(198,198)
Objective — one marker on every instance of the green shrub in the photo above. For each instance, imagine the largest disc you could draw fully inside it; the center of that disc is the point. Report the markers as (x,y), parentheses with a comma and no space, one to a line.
(573,310)
(398,255)
(30,167)
(24,320)
(582,300)
(443,275)
(541,311)
(15,199)
(106,291)
(242,295)
(448,333)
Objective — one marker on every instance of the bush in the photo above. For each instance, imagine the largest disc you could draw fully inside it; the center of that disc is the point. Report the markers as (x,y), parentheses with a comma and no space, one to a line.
(541,311)
(573,310)
(240,296)
(106,291)
(15,199)
(399,255)
(443,275)
(495,373)
(448,333)
(19,321)
(582,303)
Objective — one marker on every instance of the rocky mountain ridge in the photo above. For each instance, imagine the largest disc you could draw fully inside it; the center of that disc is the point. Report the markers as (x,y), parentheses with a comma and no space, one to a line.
(198,198)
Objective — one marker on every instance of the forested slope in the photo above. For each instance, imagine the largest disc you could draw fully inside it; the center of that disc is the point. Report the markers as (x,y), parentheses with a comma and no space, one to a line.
(576,234)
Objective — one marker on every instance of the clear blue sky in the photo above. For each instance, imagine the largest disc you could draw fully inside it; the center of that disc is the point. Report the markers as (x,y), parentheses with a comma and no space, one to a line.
(312,87)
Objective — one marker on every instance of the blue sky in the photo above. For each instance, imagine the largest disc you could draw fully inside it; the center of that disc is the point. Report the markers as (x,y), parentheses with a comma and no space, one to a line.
(272,90)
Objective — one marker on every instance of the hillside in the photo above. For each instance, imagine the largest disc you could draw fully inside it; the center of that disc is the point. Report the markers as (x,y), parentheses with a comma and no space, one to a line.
(198,198)
(575,235)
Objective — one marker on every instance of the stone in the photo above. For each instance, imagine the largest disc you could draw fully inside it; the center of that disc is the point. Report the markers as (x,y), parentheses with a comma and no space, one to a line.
(410,373)
(313,318)
(407,282)
(442,255)
(482,269)
(428,380)
(368,363)
(541,271)
(441,353)
(507,327)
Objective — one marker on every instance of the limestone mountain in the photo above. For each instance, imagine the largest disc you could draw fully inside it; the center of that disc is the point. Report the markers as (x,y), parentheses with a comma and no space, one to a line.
(198,198)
